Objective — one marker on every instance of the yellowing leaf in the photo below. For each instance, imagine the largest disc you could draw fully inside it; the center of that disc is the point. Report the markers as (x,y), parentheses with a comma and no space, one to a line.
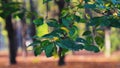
(75,24)
(42,30)
(81,1)
(55,55)
(107,4)
(55,38)
(65,29)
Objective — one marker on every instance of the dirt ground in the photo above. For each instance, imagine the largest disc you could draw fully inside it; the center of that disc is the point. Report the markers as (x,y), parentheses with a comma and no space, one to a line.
(81,59)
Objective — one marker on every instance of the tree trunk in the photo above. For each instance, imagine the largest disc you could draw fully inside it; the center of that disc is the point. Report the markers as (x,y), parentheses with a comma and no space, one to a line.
(33,10)
(107,42)
(24,31)
(11,36)
(60,4)
(61,61)
(107,31)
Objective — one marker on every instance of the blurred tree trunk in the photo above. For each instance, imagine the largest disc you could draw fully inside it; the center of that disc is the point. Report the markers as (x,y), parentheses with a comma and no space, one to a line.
(33,10)
(107,31)
(60,4)
(61,60)
(107,42)
(24,31)
(11,37)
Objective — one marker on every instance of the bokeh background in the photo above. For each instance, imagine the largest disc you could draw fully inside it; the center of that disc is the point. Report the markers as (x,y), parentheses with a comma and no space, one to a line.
(22,21)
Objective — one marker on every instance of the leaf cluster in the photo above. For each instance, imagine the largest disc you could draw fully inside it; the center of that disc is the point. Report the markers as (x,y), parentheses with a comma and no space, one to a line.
(7,8)
(64,35)
(65,32)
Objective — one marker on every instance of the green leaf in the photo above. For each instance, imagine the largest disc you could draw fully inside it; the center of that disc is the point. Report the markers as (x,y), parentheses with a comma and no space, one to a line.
(90,6)
(104,21)
(73,32)
(100,41)
(116,25)
(48,36)
(78,47)
(77,18)
(67,44)
(95,21)
(58,32)
(65,22)
(80,6)
(115,22)
(9,8)
(61,45)
(83,20)
(81,40)
(67,0)
(52,23)
(20,14)
(68,20)
(37,50)
(99,1)
(91,48)
(64,12)
(100,21)
(38,21)
(49,50)
(86,1)
(89,39)
(45,43)
(55,33)
(70,44)
(46,1)
(39,47)
(86,33)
